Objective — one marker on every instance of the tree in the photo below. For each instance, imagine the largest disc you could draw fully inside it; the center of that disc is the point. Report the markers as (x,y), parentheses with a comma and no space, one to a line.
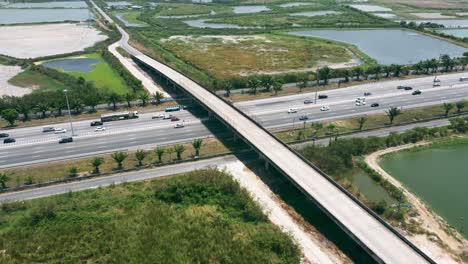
(159,152)
(170,151)
(392,113)
(73,172)
(158,96)
(96,163)
(43,107)
(140,155)
(324,74)
(266,81)
(119,158)
(3,180)
(277,85)
(303,83)
(447,107)
(253,84)
(179,149)
(357,71)
(331,130)
(227,87)
(460,105)
(113,98)
(387,70)
(197,144)
(129,97)
(316,126)
(10,115)
(377,71)
(447,62)
(361,121)
(144,97)
(397,69)
(400,198)
(23,106)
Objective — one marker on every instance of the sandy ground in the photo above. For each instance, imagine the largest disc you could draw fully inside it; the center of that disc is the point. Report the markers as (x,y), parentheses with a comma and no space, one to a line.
(6,73)
(315,247)
(427,219)
(45,40)
(431,15)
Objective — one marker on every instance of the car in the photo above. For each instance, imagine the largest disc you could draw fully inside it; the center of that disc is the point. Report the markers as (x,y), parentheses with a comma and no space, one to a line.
(436,83)
(65,140)
(9,140)
(174,118)
(185,107)
(60,130)
(48,129)
(292,110)
(303,118)
(417,92)
(407,88)
(324,108)
(400,87)
(367,93)
(179,125)
(166,116)
(462,79)
(322,96)
(308,101)
(360,103)
(374,105)
(96,123)
(360,99)
(99,128)
(4,135)
(157,116)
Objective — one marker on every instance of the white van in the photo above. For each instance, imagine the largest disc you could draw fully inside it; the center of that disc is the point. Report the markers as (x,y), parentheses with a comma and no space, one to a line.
(292,110)
(48,129)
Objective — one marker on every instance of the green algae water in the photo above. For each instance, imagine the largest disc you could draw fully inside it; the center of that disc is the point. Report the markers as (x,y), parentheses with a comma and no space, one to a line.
(438,175)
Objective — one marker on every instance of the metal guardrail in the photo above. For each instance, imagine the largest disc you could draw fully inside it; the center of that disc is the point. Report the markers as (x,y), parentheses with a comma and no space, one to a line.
(357,201)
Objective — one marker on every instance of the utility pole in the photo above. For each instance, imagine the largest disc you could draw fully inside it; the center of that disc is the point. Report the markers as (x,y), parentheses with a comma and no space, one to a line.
(69,112)
(318,83)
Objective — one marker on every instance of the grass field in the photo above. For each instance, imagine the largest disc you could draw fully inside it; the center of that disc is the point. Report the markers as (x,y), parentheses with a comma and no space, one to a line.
(199,217)
(37,81)
(184,9)
(232,55)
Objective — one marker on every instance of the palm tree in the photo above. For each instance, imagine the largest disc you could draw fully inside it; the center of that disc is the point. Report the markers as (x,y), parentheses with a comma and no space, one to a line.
(316,126)
(179,149)
(96,163)
(397,69)
(324,74)
(197,144)
(446,62)
(43,107)
(113,98)
(144,97)
(140,155)
(159,152)
(460,105)
(129,97)
(361,121)
(170,151)
(331,130)
(277,85)
(158,96)
(357,72)
(387,70)
(3,180)
(392,113)
(253,84)
(227,88)
(447,107)
(119,158)
(266,82)
(303,83)
(377,71)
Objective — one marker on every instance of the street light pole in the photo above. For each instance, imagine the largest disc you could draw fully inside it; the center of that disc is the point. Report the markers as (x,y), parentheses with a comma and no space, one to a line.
(69,112)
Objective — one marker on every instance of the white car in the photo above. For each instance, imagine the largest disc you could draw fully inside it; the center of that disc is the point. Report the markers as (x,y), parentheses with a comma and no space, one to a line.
(292,110)
(158,116)
(179,125)
(359,99)
(324,108)
(60,130)
(100,128)
(360,103)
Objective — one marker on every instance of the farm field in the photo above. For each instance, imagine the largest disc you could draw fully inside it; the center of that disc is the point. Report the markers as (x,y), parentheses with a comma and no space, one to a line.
(201,216)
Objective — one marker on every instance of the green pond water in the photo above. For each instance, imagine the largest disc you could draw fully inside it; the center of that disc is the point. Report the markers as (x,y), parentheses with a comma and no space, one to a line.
(439,176)
(371,190)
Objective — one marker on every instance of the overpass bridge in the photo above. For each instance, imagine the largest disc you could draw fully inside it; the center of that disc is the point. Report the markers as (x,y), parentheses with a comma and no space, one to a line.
(372,233)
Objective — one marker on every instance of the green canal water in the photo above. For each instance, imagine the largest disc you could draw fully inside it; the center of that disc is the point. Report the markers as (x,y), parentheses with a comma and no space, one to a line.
(438,175)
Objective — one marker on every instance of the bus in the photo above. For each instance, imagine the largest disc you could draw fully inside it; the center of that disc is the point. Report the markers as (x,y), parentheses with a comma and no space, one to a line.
(172,108)
(119,116)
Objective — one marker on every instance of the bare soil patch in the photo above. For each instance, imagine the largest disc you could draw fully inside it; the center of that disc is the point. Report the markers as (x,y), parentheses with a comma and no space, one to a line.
(6,73)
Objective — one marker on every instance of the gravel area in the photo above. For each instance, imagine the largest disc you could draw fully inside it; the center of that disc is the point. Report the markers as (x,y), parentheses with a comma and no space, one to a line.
(45,40)
(6,73)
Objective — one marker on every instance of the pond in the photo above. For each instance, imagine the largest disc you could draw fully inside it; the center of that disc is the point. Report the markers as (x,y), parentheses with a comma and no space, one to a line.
(389,46)
(370,189)
(22,16)
(314,13)
(461,33)
(448,23)
(58,4)
(83,65)
(295,4)
(250,9)
(201,23)
(438,175)
(371,8)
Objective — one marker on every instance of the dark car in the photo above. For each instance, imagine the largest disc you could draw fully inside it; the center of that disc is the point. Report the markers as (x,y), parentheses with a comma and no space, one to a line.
(367,93)
(374,105)
(417,92)
(303,118)
(65,140)
(175,118)
(4,135)
(308,101)
(185,107)
(96,123)
(322,96)
(9,140)
(407,88)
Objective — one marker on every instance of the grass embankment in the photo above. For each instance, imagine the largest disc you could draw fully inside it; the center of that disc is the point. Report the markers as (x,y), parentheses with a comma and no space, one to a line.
(40,82)
(199,217)
(232,56)
(61,170)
